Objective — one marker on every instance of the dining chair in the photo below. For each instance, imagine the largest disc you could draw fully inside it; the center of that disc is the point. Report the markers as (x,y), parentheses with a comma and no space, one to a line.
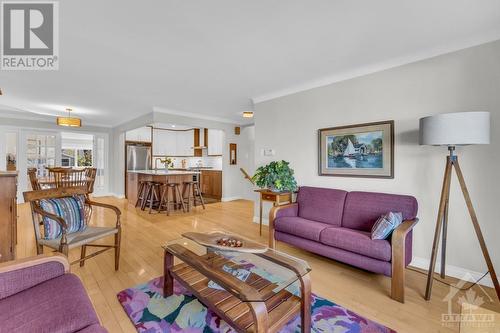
(61,219)
(90,174)
(67,177)
(35,185)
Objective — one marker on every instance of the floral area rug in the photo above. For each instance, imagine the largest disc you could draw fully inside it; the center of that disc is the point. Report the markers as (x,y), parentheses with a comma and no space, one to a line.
(150,312)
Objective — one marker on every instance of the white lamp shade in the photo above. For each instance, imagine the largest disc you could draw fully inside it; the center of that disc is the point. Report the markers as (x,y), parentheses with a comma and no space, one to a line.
(455,129)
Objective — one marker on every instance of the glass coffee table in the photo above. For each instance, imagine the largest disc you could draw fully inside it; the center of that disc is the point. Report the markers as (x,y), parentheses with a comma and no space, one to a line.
(252,292)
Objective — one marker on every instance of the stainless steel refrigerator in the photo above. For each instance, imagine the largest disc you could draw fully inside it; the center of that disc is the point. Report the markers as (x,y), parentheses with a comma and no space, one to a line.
(138,156)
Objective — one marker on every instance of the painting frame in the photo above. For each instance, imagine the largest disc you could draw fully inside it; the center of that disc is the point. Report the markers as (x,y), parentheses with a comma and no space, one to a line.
(327,159)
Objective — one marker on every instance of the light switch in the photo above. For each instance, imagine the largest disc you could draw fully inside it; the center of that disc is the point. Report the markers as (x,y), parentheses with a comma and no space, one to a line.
(269,152)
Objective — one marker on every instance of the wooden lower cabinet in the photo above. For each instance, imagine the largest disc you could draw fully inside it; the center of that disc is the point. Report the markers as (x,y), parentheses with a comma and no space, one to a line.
(8,215)
(211,183)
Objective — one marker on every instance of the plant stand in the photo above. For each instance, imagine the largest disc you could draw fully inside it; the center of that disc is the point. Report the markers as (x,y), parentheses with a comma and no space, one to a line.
(277,198)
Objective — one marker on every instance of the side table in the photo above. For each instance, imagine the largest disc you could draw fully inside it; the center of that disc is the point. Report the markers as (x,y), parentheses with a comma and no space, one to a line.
(277,198)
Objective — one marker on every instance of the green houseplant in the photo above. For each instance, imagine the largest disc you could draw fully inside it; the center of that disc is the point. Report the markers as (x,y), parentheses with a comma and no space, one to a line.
(276,176)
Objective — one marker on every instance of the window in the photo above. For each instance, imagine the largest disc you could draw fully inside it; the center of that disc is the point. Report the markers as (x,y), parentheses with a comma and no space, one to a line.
(41,152)
(77,150)
(76,157)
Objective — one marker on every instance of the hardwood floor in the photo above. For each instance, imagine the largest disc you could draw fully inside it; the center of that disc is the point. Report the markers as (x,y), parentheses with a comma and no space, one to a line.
(142,259)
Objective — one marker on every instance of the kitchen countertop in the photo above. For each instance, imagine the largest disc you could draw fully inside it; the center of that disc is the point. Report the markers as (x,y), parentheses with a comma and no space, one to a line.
(197,169)
(162,172)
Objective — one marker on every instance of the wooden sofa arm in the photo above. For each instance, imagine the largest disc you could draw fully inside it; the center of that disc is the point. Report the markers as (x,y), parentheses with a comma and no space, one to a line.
(403,229)
(14,265)
(398,241)
(272,216)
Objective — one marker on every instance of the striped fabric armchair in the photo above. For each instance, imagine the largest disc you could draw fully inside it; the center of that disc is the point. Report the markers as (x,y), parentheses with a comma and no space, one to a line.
(61,220)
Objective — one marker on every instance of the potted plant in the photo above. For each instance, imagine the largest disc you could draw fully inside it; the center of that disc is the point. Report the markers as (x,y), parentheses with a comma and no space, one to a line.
(169,163)
(277,176)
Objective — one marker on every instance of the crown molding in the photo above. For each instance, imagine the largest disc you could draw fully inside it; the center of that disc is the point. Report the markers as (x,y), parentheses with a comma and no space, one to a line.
(378,67)
(194,115)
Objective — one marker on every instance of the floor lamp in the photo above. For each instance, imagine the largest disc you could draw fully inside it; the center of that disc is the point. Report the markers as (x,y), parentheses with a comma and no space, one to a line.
(451,130)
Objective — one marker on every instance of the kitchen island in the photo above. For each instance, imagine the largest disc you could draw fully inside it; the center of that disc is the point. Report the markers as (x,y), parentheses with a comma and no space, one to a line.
(164,176)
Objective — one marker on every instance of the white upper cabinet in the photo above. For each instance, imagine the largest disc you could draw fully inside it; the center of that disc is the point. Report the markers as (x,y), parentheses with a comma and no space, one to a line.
(139,134)
(173,143)
(164,142)
(215,141)
(185,143)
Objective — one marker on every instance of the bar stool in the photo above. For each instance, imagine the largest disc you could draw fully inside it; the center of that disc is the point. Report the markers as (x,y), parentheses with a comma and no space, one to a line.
(146,193)
(153,195)
(176,201)
(193,193)
(141,194)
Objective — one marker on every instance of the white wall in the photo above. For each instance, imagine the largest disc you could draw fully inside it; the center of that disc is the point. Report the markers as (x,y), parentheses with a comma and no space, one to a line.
(467,80)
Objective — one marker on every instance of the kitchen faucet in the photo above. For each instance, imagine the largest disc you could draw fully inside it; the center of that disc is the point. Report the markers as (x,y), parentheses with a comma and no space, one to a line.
(156,164)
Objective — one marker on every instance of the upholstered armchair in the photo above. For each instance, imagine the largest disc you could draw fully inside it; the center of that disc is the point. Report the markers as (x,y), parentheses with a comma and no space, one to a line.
(39,294)
(67,240)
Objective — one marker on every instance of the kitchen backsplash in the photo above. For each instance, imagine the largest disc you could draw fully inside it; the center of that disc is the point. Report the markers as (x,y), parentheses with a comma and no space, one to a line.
(214,162)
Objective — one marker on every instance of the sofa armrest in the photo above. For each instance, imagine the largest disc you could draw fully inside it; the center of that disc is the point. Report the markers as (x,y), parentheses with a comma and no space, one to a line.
(19,275)
(398,241)
(280,211)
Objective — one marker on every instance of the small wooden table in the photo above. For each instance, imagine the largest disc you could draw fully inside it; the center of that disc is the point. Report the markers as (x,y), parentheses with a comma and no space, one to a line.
(277,198)
(254,305)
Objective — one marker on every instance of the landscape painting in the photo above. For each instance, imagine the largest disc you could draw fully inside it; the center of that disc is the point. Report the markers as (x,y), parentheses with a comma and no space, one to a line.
(364,150)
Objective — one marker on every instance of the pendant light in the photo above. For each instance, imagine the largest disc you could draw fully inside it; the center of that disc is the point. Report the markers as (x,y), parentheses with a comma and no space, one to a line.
(69,121)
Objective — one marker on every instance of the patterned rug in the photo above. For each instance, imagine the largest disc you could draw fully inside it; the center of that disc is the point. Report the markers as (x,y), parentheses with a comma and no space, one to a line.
(150,312)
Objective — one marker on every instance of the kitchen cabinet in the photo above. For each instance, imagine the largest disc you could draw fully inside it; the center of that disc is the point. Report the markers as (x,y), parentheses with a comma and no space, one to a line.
(8,213)
(142,134)
(211,183)
(164,142)
(173,143)
(215,142)
(185,143)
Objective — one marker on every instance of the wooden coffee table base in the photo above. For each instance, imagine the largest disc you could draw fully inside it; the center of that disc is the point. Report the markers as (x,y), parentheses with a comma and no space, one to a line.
(244,316)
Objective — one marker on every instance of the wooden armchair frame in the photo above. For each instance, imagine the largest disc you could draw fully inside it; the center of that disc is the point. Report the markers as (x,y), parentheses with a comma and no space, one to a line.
(64,246)
(398,246)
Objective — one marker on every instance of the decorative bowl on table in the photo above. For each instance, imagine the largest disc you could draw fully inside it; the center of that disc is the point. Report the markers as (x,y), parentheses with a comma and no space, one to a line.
(223,241)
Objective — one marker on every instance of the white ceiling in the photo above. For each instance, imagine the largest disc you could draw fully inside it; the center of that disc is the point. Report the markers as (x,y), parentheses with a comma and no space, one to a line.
(119,59)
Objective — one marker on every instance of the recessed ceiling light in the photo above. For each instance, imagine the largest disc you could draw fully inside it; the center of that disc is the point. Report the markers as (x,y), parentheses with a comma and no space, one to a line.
(248,114)
(173,126)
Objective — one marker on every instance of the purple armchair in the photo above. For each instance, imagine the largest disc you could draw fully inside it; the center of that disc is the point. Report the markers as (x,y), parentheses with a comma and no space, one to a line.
(337,224)
(39,294)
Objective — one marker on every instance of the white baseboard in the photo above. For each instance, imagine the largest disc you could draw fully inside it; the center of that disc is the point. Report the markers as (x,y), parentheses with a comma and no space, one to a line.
(454,271)
(99,195)
(265,220)
(226,199)
(119,196)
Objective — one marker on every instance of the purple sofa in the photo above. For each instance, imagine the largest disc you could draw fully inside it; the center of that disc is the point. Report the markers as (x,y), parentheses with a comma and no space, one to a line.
(337,224)
(39,295)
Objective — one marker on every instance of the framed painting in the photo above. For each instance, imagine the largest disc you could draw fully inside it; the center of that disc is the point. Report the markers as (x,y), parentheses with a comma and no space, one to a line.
(364,150)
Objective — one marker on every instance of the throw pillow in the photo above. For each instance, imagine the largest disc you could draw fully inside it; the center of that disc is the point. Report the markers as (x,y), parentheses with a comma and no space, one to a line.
(71,209)
(386,224)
